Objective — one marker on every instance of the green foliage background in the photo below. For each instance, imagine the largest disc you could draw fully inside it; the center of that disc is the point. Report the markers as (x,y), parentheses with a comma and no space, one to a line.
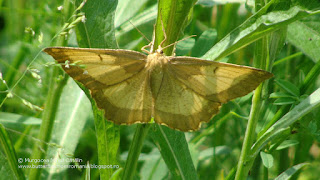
(45,115)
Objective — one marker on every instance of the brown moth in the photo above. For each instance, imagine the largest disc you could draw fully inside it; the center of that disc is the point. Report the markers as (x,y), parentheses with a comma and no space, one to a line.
(179,92)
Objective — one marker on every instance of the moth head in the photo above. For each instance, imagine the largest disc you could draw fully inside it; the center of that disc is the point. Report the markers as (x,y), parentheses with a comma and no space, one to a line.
(159,50)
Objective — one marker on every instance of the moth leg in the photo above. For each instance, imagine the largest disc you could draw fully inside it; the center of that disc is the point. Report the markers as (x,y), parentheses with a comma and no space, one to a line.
(146,46)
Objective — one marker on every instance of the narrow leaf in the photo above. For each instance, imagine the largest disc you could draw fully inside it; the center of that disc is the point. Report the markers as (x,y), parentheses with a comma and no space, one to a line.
(175,152)
(12,118)
(287,143)
(284,101)
(290,172)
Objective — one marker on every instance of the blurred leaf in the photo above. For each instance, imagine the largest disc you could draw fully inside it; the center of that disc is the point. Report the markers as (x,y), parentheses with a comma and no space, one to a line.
(312,127)
(274,15)
(305,35)
(153,166)
(144,17)
(73,113)
(204,43)
(209,152)
(183,47)
(287,143)
(290,172)
(267,159)
(310,78)
(211,3)
(127,9)
(280,95)
(18,119)
(175,152)
(116,174)
(5,169)
(284,101)
(288,87)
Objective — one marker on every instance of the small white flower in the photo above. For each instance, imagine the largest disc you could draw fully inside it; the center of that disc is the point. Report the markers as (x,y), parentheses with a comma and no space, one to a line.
(60,8)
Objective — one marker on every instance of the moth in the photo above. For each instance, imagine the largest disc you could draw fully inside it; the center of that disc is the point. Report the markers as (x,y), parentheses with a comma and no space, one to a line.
(177,91)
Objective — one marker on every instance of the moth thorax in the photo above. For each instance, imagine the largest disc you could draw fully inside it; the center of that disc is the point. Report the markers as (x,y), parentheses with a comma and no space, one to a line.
(156,61)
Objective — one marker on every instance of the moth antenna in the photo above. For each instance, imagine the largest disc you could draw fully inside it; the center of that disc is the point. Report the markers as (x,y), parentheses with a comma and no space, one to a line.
(179,41)
(139,31)
(153,39)
(164,33)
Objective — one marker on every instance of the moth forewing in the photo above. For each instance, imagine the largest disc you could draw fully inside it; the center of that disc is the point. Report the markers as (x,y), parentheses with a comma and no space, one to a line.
(117,80)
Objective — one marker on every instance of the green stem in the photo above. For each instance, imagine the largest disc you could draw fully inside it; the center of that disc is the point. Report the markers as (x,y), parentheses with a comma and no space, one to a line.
(49,114)
(261,60)
(134,151)
(265,173)
(243,165)
(10,153)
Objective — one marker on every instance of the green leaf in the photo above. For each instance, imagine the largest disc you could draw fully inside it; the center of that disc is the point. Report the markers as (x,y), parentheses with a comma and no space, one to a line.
(204,43)
(305,35)
(73,113)
(267,159)
(18,119)
(280,95)
(287,143)
(175,152)
(98,30)
(274,15)
(288,87)
(284,101)
(290,172)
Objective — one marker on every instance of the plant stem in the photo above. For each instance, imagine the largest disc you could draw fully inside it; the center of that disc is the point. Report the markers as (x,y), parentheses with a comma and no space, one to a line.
(134,151)
(243,165)
(261,60)
(48,118)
